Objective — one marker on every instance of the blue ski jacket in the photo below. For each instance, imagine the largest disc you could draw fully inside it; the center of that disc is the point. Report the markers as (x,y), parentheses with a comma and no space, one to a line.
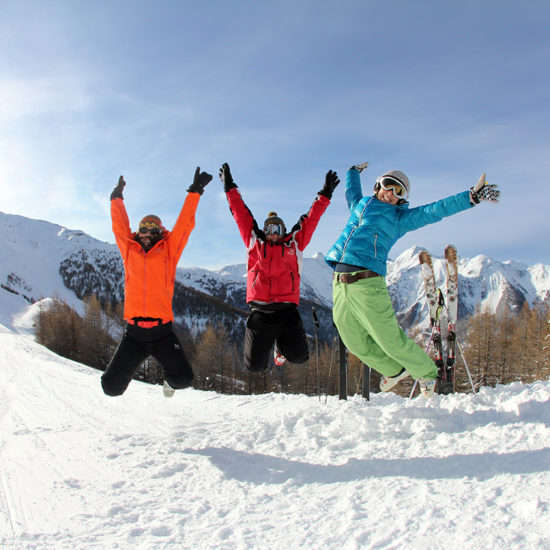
(375,226)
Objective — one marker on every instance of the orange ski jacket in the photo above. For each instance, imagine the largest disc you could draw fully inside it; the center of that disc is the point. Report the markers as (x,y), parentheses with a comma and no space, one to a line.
(149,277)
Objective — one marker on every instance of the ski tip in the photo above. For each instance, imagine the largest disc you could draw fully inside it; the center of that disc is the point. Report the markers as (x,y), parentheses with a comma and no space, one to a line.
(424,257)
(450,252)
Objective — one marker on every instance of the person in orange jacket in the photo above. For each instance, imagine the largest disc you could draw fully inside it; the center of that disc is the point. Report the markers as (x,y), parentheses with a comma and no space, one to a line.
(150,258)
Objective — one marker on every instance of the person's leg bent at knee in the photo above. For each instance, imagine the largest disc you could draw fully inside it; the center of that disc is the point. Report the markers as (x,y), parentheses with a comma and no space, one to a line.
(125,362)
(176,368)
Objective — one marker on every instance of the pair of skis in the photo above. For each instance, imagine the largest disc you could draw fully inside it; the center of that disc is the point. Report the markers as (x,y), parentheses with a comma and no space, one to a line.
(436,304)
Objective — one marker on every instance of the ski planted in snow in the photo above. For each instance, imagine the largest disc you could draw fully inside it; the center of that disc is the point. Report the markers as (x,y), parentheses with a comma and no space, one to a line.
(435,305)
(427,268)
(445,368)
(451,267)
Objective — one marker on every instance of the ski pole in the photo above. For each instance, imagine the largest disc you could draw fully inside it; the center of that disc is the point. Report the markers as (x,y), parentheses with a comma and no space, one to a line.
(465,364)
(315,327)
(332,353)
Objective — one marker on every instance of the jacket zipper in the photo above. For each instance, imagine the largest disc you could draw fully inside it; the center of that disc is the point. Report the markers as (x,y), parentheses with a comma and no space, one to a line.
(375,241)
(144,283)
(353,230)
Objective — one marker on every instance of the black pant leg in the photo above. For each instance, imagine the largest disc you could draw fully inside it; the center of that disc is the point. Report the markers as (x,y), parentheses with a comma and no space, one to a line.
(259,338)
(176,369)
(125,362)
(292,339)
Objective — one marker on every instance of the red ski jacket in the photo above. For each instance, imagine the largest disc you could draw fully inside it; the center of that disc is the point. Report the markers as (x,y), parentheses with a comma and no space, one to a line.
(274,269)
(149,277)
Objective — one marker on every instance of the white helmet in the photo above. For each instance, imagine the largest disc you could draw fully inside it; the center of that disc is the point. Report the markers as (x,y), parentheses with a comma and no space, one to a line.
(395,176)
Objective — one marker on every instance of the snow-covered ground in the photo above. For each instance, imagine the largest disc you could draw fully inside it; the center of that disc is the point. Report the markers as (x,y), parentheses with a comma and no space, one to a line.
(80,470)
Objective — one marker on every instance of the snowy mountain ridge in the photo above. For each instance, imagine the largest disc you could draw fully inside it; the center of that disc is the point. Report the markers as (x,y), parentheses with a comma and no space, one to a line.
(40,259)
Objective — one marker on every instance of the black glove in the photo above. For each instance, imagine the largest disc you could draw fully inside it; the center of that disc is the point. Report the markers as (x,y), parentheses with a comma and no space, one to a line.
(117,191)
(227,178)
(482,191)
(200,181)
(331,181)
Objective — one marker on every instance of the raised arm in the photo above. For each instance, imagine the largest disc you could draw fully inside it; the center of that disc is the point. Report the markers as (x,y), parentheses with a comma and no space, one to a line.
(430,213)
(119,216)
(304,229)
(186,219)
(354,192)
(241,213)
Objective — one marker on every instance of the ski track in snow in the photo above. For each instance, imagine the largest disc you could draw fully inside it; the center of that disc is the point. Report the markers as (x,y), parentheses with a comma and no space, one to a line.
(203,470)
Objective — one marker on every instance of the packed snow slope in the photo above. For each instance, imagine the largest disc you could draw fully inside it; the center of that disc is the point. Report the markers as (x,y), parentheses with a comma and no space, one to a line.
(201,470)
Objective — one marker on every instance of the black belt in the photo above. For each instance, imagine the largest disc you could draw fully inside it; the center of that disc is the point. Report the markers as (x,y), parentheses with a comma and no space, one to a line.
(350,278)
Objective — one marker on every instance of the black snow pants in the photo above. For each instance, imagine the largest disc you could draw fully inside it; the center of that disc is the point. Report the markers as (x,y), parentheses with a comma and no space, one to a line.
(139,343)
(264,327)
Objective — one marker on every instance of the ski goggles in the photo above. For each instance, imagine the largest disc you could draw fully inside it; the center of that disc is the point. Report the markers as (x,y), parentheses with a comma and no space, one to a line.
(390,184)
(273,229)
(150,228)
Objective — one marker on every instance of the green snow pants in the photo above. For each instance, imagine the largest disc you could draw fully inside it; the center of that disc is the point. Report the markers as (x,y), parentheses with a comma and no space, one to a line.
(364,317)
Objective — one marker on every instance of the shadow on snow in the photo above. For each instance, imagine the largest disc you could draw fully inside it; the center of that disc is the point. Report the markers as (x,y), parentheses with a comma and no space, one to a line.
(259,468)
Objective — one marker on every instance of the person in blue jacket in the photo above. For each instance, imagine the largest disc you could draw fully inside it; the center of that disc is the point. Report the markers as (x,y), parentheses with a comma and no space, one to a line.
(362,310)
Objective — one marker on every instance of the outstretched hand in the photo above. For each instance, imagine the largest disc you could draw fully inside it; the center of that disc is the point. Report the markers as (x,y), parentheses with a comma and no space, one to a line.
(331,182)
(227,178)
(483,191)
(359,167)
(117,191)
(200,181)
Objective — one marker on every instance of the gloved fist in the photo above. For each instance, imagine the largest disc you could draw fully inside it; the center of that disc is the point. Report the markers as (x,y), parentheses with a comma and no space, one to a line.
(482,191)
(359,167)
(227,178)
(200,181)
(331,181)
(117,191)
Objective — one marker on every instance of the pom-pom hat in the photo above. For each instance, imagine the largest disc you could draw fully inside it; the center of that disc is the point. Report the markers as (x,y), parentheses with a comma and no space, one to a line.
(274,220)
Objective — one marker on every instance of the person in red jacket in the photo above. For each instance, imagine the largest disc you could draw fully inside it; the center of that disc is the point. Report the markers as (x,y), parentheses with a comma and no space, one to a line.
(150,258)
(274,265)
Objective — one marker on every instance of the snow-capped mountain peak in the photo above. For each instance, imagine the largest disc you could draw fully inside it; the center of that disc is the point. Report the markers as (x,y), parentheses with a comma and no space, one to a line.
(39,259)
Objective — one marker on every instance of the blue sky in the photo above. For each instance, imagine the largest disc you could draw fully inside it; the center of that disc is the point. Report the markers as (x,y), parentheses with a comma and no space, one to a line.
(283,91)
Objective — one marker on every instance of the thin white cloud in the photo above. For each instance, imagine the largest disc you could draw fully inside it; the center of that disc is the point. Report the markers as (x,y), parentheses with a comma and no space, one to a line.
(282,92)
(28,97)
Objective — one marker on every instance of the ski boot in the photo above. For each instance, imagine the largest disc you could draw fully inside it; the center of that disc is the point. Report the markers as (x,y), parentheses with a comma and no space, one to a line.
(388,382)
(427,387)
